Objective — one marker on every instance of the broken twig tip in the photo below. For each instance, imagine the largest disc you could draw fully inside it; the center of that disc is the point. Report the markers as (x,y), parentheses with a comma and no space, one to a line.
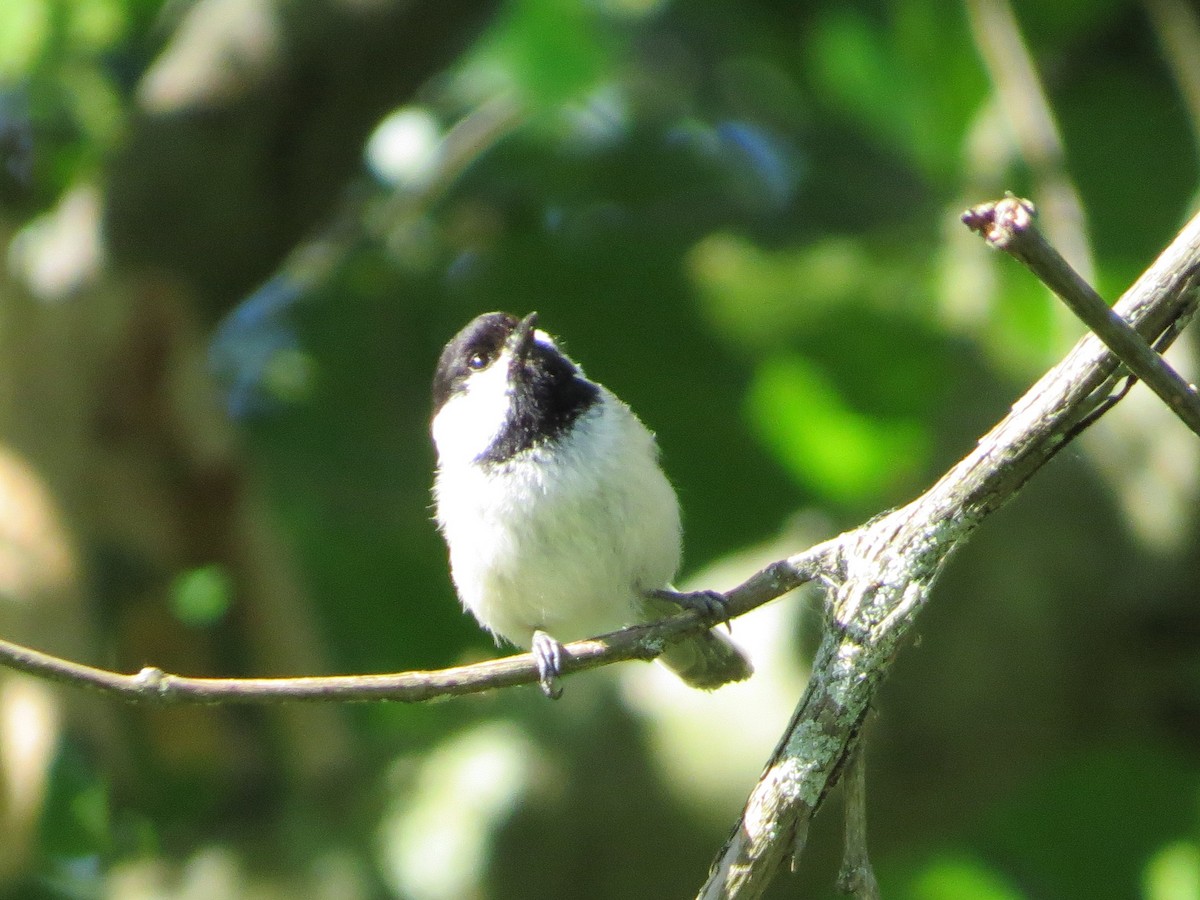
(998,222)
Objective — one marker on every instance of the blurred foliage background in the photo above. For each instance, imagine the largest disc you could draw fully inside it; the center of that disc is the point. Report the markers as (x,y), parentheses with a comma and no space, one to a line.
(237,234)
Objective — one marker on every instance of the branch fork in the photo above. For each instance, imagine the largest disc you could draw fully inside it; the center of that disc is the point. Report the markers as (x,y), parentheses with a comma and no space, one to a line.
(1009,225)
(886,568)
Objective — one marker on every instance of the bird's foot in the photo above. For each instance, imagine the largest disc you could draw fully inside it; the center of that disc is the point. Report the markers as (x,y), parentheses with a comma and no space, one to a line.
(548,656)
(712,605)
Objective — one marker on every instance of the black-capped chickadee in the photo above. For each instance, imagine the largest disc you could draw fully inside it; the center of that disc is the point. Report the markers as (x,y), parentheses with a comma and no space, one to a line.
(550,496)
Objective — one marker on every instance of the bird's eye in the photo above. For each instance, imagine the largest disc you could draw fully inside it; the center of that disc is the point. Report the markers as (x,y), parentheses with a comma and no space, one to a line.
(478,360)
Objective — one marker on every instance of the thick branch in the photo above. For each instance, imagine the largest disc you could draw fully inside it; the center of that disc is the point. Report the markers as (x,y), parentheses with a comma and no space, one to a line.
(638,642)
(887,567)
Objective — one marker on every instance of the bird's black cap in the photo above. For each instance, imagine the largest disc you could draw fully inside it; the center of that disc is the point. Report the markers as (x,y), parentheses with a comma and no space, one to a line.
(547,392)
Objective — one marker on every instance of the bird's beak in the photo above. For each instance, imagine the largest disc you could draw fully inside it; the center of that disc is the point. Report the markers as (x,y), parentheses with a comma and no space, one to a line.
(522,336)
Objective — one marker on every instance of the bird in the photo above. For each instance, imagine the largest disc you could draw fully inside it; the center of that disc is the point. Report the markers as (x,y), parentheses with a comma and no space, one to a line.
(558,518)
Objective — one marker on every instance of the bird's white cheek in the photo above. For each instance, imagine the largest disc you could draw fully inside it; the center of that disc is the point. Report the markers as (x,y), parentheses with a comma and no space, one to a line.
(470,421)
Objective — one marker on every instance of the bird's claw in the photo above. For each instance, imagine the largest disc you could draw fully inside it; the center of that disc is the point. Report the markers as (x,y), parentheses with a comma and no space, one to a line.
(548,656)
(712,605)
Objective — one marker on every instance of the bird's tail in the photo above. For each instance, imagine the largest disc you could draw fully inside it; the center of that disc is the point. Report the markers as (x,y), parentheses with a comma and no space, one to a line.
(707,661)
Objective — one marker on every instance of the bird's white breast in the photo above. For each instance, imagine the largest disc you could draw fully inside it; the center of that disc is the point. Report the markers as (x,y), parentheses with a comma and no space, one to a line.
(562,537)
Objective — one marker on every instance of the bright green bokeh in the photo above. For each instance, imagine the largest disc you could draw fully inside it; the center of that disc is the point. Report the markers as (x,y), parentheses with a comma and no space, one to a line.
(761,298)
(1174,873)
(960,877)
(838,453)
(24,27)
(897,82)
(549,52)
(201,597)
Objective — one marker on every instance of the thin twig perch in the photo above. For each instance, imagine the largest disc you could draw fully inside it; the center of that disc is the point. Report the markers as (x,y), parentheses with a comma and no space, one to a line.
(637,642)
